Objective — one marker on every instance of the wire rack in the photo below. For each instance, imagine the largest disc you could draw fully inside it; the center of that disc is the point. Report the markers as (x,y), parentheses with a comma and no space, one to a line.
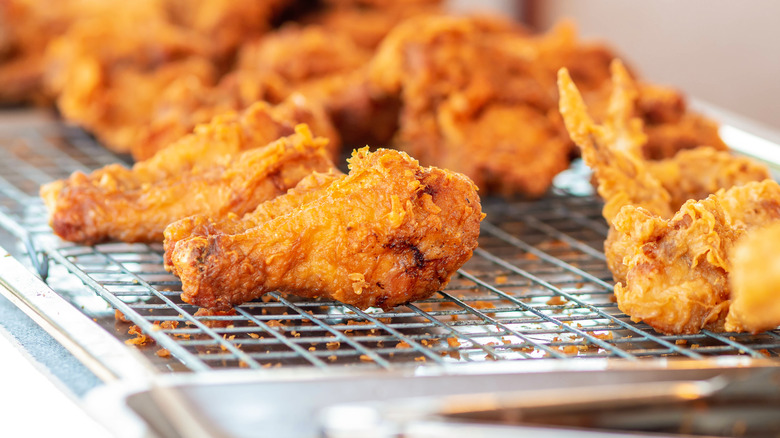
(537,288)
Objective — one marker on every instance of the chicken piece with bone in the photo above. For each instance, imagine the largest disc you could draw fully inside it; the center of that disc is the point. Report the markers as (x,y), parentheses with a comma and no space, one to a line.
(387,233)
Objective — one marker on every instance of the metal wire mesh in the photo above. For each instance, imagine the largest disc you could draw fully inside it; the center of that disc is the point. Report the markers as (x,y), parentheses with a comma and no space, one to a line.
(537,288)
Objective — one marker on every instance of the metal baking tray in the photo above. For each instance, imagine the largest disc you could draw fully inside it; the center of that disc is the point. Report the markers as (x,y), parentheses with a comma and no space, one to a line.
(535,298)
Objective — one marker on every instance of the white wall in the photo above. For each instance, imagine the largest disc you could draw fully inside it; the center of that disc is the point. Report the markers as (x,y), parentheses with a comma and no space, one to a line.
(723,52)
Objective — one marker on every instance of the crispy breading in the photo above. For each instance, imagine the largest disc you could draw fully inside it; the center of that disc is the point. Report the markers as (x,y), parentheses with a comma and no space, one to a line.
(676,276)
(307,190)
(685,274)
(227,166)
(754,280)
(387,233)
(269,69)
(697,173)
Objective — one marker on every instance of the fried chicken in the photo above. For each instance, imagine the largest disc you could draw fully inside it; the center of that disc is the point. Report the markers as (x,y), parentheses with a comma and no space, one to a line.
(679,270)
(269,69)
(671,264)
(469,104)
(227,166)
(387,233)
(614,151)
(754,280)
(108,71)
(697,173)
(26,28)
(307,190)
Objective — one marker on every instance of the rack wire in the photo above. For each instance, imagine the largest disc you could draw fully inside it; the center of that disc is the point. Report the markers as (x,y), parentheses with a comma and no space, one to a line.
(537,288)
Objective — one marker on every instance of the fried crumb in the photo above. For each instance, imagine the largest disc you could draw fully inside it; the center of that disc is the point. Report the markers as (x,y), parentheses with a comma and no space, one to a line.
(420,359)
(312,348)
(453,342)
(556,300)
(365,358)
(402,345)
(253,335)
(163,353)
(333,345)
(139,339)
(530,256)
(119,316)
(604,336)
(242,364)
(501,279)
(332,357)
(570,349)
(681,341)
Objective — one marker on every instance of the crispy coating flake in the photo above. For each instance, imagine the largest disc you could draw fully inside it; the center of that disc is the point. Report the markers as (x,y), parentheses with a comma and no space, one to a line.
(225,166)
(388,233)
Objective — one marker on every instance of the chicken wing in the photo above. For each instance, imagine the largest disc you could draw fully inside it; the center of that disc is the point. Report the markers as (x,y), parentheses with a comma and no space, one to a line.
(387,233)
(614,151)
(671,269)
(222,167)
(754,280)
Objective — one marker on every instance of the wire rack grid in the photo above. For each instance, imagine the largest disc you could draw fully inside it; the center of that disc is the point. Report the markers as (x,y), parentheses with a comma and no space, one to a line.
(537,288)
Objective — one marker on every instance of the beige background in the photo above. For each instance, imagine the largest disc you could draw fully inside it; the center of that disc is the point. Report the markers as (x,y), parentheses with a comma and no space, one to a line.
(724,52)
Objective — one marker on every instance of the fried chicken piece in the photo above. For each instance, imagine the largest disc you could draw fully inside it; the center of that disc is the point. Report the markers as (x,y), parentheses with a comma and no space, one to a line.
(754,280)
(268,69)
(466,94)
(387,233)
(107,81)
(26,28)
(672,270)
(227,166)
(614,151)
(679,272)
(677,269)
(108,73)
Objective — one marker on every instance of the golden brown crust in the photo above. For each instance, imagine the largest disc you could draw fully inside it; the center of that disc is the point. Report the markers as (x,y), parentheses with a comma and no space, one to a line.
(677,269)
(388,233)
(226,166)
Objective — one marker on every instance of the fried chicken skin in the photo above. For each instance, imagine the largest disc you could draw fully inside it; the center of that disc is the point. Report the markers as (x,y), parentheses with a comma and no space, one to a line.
(754,280)
(227,166)
(388,233)
(307,190)
(697,173)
